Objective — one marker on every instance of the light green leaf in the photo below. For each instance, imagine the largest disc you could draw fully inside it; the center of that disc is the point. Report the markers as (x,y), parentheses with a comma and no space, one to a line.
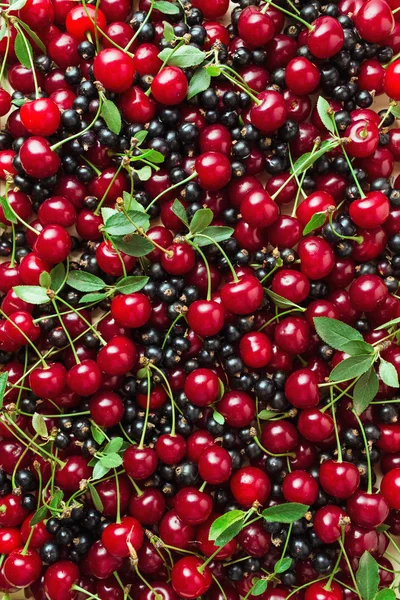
(185,56)
(39,515)
(282,302)
(368,576)
(97,434)
(323,108)
(34,37)
(57,275)
(308,159)
(365,390)
(133,245)
(3,28)
(19,101)
(316,221)
(17,4)
(113,446)
(199,82)
(144,173)
(226,527)
(130,203)
(99,471)
(107,212)
(215,232)
(259,587)
(285,513)
(396,111)
(351,367)
(283,565)
(153,156)
(386,594)
(357,347)
(179,210)
(140,136)
(118,224)
(56,499)
(112,116)
(111,461)
(265,415)
(168,32)
(213,70)
(220,419)
(201,220)
(95,497)
(85,282)
(92,297)
(3,385)
(131,284)
(335,333)
(45,280)
(388,373)
(39,425)
(34,294)
(221,391)
(7,210)
(166,7)
(23,50)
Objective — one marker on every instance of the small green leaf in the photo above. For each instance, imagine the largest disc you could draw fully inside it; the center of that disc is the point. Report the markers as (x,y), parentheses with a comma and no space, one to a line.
(388,373)
(99,471)
(308,159)
(282,302)
(179,210)
(34,294)
(226,526)
(168,33)
(23,50)
(213,70)
(111,461)
(45,280)
(166,7)
(133,245)
(335,333)
(39,425)
(97,434)
(107,212)
(57,277)
(119,224)
(92,297)
(368,576)
(131,284)
(3,385)
(199,82)
(201,220)
(357,347)
(113,446)
(386,594)
(17,4)
(316,221)
(351,367)
(324,108)
(8,212)
(220,419)
(183,57)
(221,391)
(215,232)
(396,111)
(259,587)
(130,203)
(112,116)
(85,282)
(365,390)
(283,565)
(95,497)
(382,528)
(3,29)
(18,101)
(34,37)
(285,513)
(56,499)
(141,374)
(153,156)
(39,516)
(140,136)
(265,415)
(144,173)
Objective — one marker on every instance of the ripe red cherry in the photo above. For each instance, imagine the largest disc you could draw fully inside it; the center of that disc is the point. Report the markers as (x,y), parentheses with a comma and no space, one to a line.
(391,85)
(5,102)
(147,507)
(390,487)
(328,522)
(75,470)
(48,382)
(10,539)
(131,310)
(291,285)
(339,479)
(109,260)
(171,448)
(215,138)
(206,317)
(215,465)
(315,425)
(53,244)
(20,326)
(22,569)
(80,22)
(326,37)
(364,138)
(170,86)
(57,210)
(238,408)
(181,261)
(146,61)
(367,510)
(202,387)
(59,579)
(300,486)
(114,69)
(374,21)
(37,158)
(321,591)
(279,436)
(159,591)
(101,564)
(136,107)
(244,296)
(249,485)
(302,76)
(12,513)
(106,408)
(258,208)
(118,356)
(213,170)
(38,14)
(193,506)
(367,292)
(371,211)
(140,463)
(316,256)
(189,579)
(292,335)
(319,201)
(41,117)
(255,349)
(118,538)
(358,540)
(301,389)
(255,28)
(85,378)
(270,113)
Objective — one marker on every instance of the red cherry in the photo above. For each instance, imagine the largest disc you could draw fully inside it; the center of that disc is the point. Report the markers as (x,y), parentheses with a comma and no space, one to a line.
(189,579)
(53,244)
(390,486)
(255,27)
(257,208)
(328,522)
(215,465)
(238,408)
(279,437)
(326,37)
(367,510)
(213,170)
(10,539)
(321,591)
(202,387)
(114,69)
(367,292)
(148,507)
(270,113)
(250,485)
(37,158)
(119,538)
(193,506)
(316,256)
(12,513)
(364,138)
(171,448)
(300,486)
(140,463)
(21,568)
(146,61)
(374,21)
(205,317)
(38,14)
(85,378)
(291,285)
(75,470)
(48,382)
(79,21)
(292,335)
(302,76)
(339,479)
(301,389)
(131,310)
(136,107)
(106,408)
(101,564)
(315,425)
(255,349)
(41,117)
(181,261)
(118,356)
(242,297)
(170,86)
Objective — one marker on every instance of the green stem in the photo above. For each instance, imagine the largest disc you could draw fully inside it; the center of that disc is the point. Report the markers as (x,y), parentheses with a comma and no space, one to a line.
(203,256)
(76,135)
(27,47)
(224,254)
(257,441)
(369,489)
(290,14)
(245,89)
(129,44)
(286,543)
(339,448)
(12,259)
(31,344)
(3,65)
(173,187)
(74,352)
(171,397)
(89,325)
(174,322)
(96,212)
(118,516)
(341,544)
(146,418)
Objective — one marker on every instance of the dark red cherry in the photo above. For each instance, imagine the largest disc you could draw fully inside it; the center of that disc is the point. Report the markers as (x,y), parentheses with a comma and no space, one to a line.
(339,479)
(37,158)
(119,538)
(250,485)
(270,113)
(242,297)
(140,463)
(326,37)
(374,20)
(189,578)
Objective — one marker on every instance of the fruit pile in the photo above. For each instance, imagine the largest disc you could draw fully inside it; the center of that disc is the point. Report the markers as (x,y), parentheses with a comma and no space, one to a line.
(199,365)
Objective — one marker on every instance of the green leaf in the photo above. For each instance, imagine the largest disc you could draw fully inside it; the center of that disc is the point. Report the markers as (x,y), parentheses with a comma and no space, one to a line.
(382,528)
(323,108)
(36,39)
(386,594)
(111,461)
(153,156)
(396,111)
(226,527)
(308,159)
(85,282)
(199,82)
(113,446)
(179,210)
(316,221)
(201,220)
(118,224)
(259,587)
(17,4)
(144,173)
(39,425)
(45,280)
(368,576)
(221,390)
(23,50)
(351,367)
(92,297)
(131,284)
(285,513)
(283,565)
(3,29)
(185,56)
(264,415)
(220,419)
(133,245)
(39,515)
(140,136)
(112,116)
(107,212)
(389,324)
(7,210)
(213,70)
(97,434)
(130,203)
(335,333)
(388,373)
(282,302)
(95,497)
(357,347)
(365,390)
(57,277)
(56,499)
(3,385)
(18,101)
(99,471)
(34,294)
(168,32)
(215,232)
(166,7)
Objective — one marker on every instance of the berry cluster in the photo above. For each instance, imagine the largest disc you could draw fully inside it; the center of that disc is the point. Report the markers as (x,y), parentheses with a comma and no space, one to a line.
(199,364)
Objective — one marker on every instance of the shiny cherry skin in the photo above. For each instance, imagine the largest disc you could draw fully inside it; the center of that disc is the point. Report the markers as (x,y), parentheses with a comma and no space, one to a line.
(53,244)
(314,425)
(390,486)
(316,256)
(292,335)
(258,209)
(291,285)
(22,569)
(79,22)
(328,522)
(215,465)
(85,378)
(118,538)
(147,507)
(37,158)
(59,579)
(140,463)
(249,485)
(170,86)
(48,382)
(254,27)
(364,139)
(202,387)
(374,21)
(367,292)
(193,506)
(302,76)
(114,69)
(319,591)
(101,564)
(242,297)
(300,486)
(160,591)
(41,117)
(255,349)
(367,510)
(106,408)
(118,356)
(301,389)
(279,437)
(371,211)
(270,113)
(326,37)
(213,170)
(339,479)
(75,470)
(174,532)
(171,449)
(189,579)
(238,408)
(10,539)
(131,310)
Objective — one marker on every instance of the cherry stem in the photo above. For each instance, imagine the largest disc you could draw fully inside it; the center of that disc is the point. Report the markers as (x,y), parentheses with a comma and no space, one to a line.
(338,446)
(171,397)
(203,256)
(290,14)
(245,89)
(203,486)
(76,135)
(286,312)
(173,50)
(91,165)
(209,559)
(118,517)
(368,458)
(29,53)
(103,33)
(35,447)
(96,212)
(356,238)
(74,352)
(3,66)
(129,44)
(146,417)
(305,585)
(123,588)
(12,258)
(20,459)
(174,322)
(336,567)
(224,254)
(301,181)
(286,543)
(28,541)
(173,187)
(121,260)
(32,345)
(257,441)
(221,589)
(341,544)
(135,486)
(89,325)
(361,192)
(77,588)
(140,231)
